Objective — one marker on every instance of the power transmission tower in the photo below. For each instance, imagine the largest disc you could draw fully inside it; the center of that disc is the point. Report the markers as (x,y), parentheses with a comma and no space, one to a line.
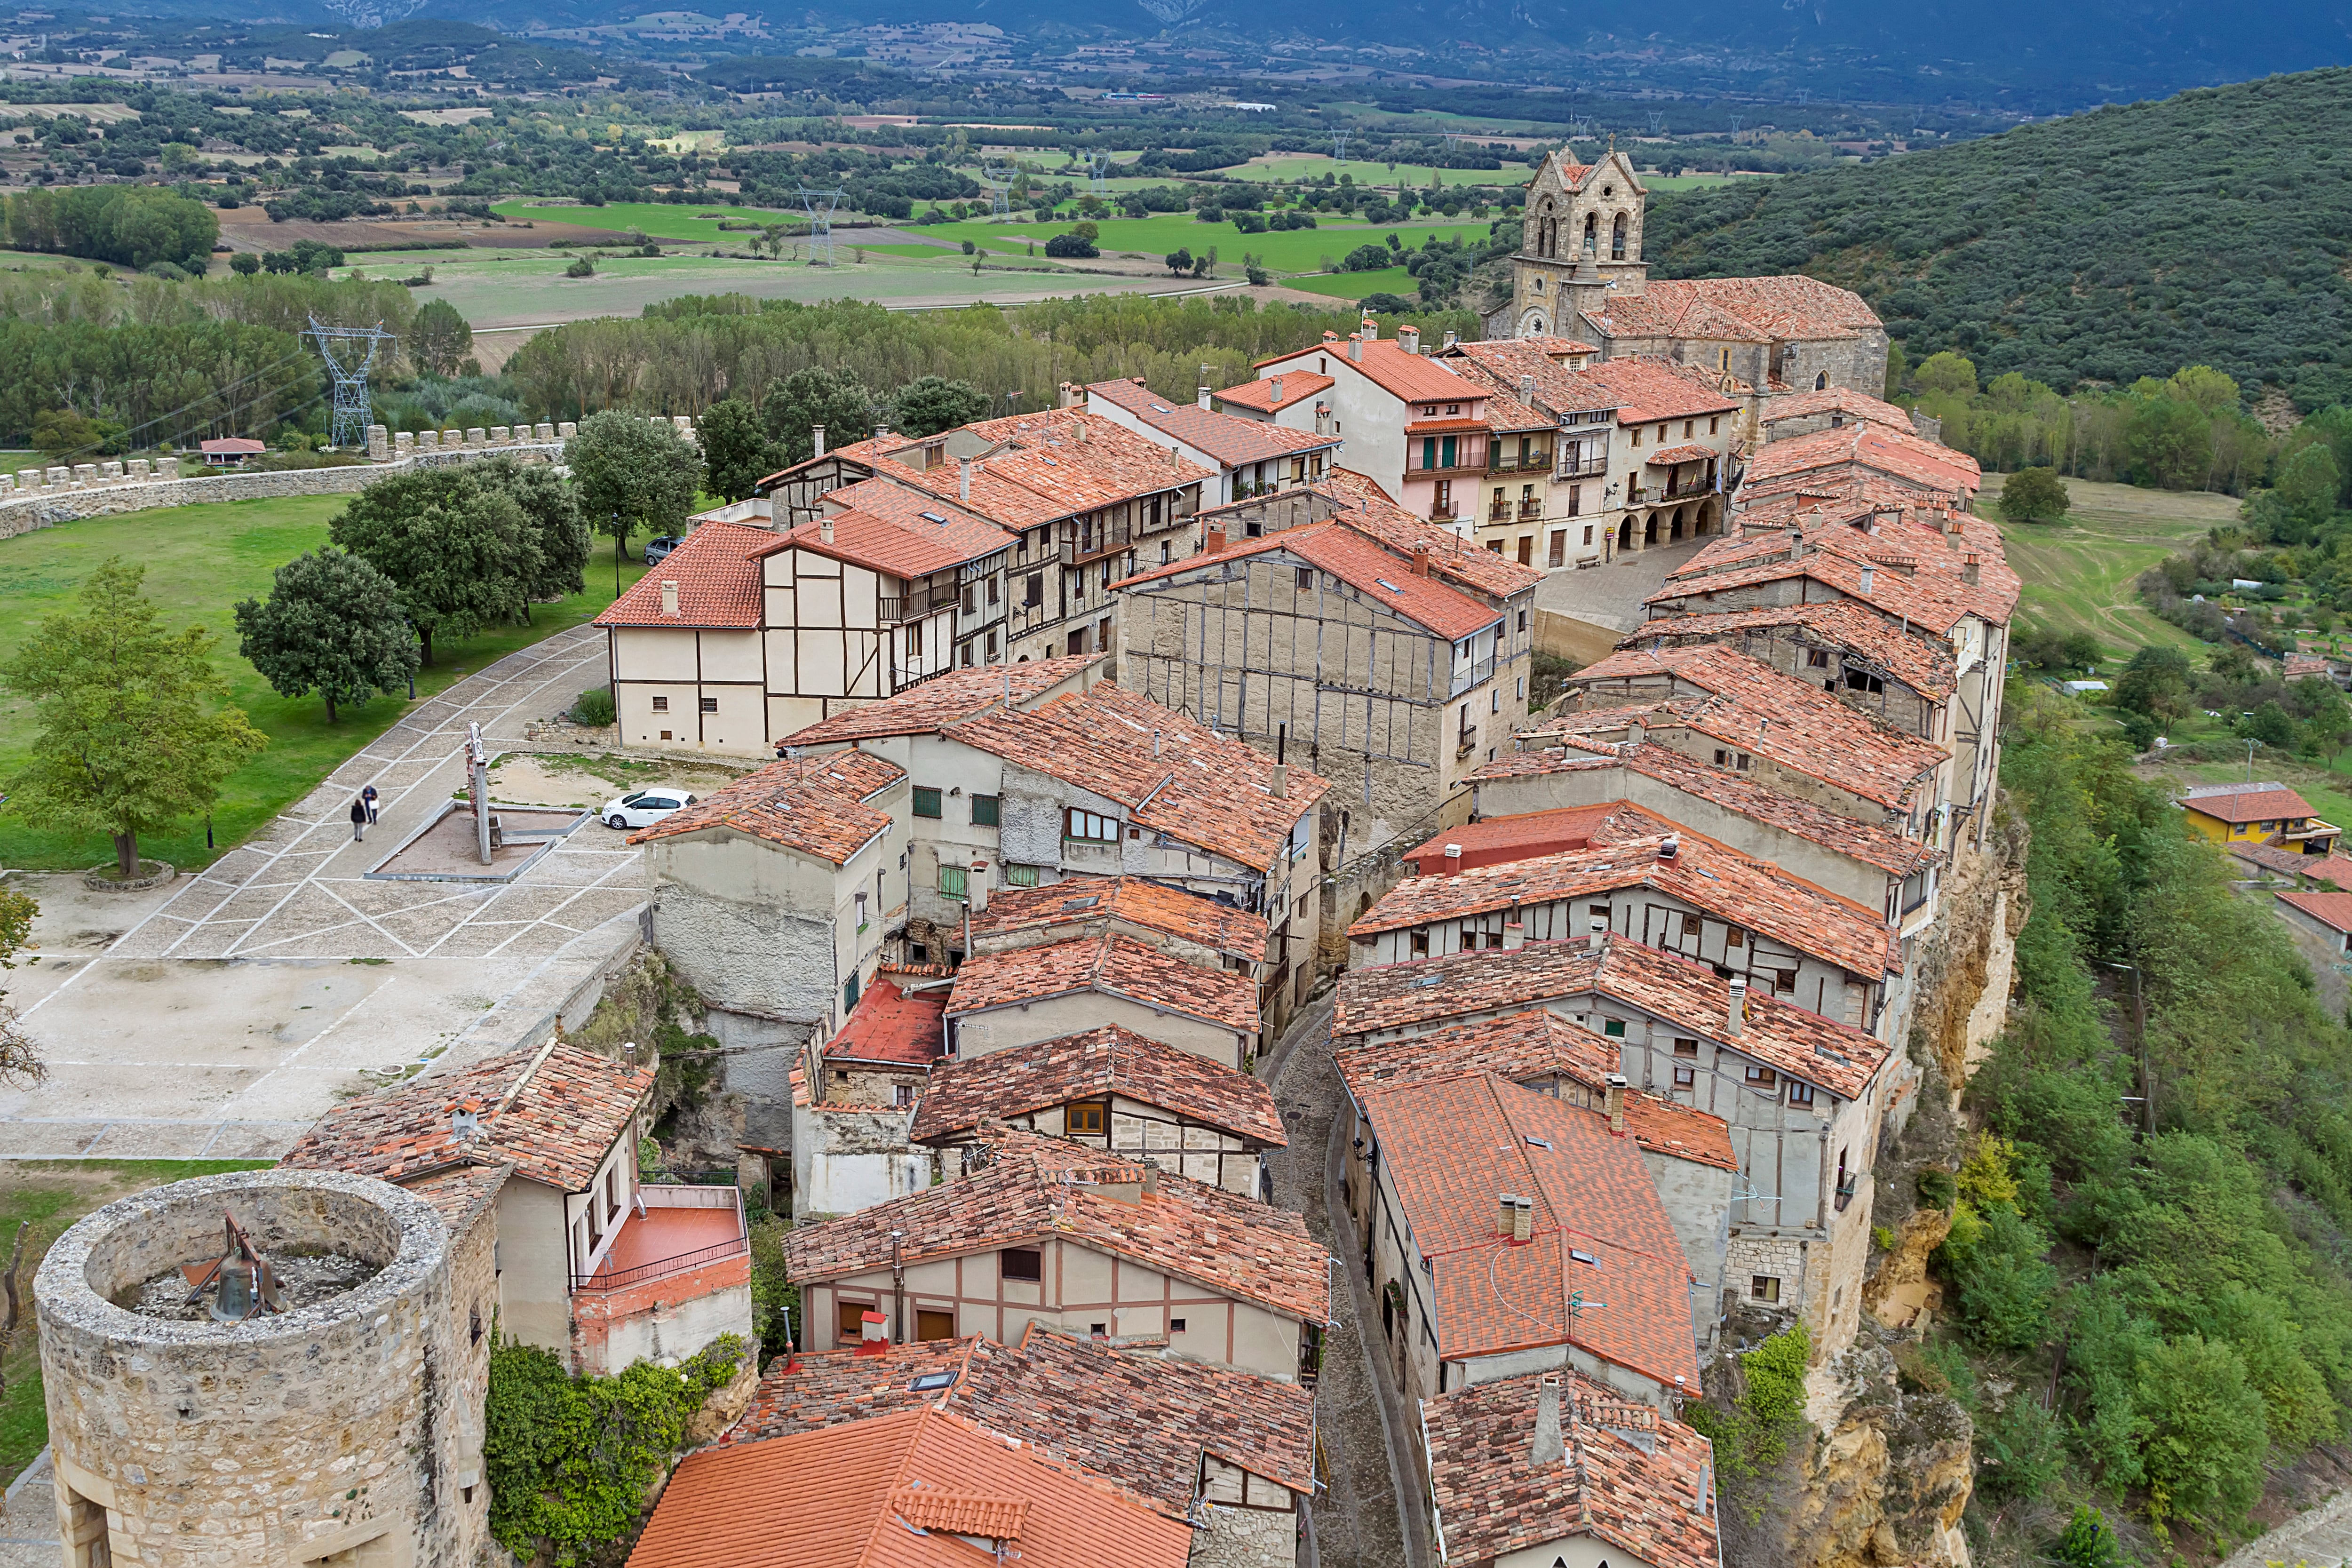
(1339,146)
(820,206)
(1097,172)
(998,181)
(349,352)
(1657,123)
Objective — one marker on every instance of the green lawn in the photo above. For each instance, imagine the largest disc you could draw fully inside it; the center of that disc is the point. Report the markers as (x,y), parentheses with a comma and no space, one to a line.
(2080,577)
(201,560)
(50,1194)
(1291,250)
(1290,167)
(919,252)
(1355,285)
(658,220)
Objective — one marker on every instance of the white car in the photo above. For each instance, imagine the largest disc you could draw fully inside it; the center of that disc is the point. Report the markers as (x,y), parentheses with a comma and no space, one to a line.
(644,808)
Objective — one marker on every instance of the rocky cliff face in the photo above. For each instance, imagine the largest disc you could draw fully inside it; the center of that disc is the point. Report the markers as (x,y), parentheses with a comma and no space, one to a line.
(1887,1481)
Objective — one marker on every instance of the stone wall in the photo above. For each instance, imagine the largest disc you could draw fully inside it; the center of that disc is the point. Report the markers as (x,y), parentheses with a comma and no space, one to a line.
(327,1430)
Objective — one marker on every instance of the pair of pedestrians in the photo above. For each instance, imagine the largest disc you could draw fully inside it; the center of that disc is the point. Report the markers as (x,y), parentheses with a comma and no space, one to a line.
(363,810)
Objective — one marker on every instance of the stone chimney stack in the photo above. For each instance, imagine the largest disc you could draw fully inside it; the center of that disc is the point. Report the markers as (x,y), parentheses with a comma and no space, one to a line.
(1612,1100)
(1356,346)
(1421,560)
(1506,1207)
(1515,935)
(1636,732)
(670,596)
(1971,568)
(1069,396)
(1600,929)
(1736,1013)
(976,888)
(963,480)
(1372,330)
(816,438)
(1551,1448)
(1204,399)
(1409,339)
(824,529)
(1280,785)
(1523,1221)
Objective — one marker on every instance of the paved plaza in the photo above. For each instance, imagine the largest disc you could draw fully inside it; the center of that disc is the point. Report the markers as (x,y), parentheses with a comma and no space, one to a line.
(221,1015)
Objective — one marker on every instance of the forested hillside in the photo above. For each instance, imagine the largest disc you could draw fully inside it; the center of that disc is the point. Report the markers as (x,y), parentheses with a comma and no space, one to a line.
(2211,228)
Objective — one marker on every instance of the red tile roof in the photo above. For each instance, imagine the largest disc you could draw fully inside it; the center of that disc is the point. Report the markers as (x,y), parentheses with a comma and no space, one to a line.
(1335,547)
(1375,514)
(1895,453)
(1738,310)
(1298,386)
(1507,363)
(1414,378)
(2329,868)
(945,698)
(1645,389)
(1498,840)
(1173,776)
(963,1093)
(2329,909)
(1112,964)
(1668,456)
(1098,903)
(1229,438)
(1035,1187)
(463,1192)
(1750,706)
(1450,1145)
(1851,626)
(820,805)
(717,572)
(1813,404)
(1832,830)
(1409,997)
(896,531)
(842,1499)
(1927,584)
(2251,802)
(1735,888)
(892,1027)
(552,1113)
(1123,1410)
(1628,1478)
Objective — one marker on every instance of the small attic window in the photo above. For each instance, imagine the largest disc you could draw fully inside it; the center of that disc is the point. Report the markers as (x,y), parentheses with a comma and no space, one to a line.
(1584,1258)
(1389,586)
(933,517)
(1542,1144)
(931,1380)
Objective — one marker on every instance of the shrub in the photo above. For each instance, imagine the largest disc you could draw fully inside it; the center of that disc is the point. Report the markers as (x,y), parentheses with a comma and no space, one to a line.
(593,707)
(2019,1449)
(2005,1283)
(2089,1541)
(2033,495)
(581,268)
(1937,1188)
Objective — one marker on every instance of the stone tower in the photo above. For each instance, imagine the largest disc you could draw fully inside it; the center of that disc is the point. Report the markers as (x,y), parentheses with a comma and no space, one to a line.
(1580,239)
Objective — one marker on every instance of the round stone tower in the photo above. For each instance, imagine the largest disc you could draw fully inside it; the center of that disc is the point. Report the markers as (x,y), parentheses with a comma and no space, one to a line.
(323,1434)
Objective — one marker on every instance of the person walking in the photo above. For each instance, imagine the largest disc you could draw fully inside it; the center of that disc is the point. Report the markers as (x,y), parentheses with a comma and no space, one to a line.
(359,819)
(368,794)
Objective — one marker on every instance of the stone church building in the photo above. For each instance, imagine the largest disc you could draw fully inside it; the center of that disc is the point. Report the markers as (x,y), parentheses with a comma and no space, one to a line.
(1580,274)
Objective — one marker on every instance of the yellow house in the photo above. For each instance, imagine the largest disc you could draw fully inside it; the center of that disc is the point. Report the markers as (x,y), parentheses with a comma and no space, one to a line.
(2267,812)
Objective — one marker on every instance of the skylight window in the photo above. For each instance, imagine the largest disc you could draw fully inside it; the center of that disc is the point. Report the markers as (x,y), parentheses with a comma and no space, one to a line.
(1389,586)
(1542,1144)
(1584,1258)
(931,1380)
(933,517)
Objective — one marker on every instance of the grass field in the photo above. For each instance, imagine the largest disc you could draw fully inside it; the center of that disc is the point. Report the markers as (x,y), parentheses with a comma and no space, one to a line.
(1294,166)
(1292,250)
(658,220)
(2079,578)
(1355,285)
(50,1195)
(201,560)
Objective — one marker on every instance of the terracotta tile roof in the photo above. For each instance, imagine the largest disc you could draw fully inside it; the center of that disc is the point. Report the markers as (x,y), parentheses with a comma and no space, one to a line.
(1498,840)
(1732,887)
(1094,903)
(836,1498)
(1116,965)
(1630,1478)
(1450,1145)
(1035,1187)
(1381,998)
(1374,513)
(1126,1411)
(2330,868)
(1738,310)
(1859,631)
(817,804)
(1298,386)
(1173,776)
(2299,665)
(890,1026)
(1229,438)
(1643,389)
(896,531)
(1358,560)
(1415,378)
(1520,1046)
(1668,456)
(553,1114)
(717,571)
(1505,363)
(1927,584)
(943,699)
(1749,705)
(2247,803)
(1813,404)
(1833,830)
(461,1193)
(1042,467)
(1895,453)
(1669,1127)
(2329,909)
(1108,1060)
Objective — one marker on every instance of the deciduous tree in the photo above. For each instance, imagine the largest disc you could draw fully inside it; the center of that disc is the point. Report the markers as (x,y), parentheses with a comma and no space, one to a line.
(332,625)
(931,404)
(439,338)
(2033,495)
(129,738)
(457,547)
(633,473)
(806,398)
(736,448)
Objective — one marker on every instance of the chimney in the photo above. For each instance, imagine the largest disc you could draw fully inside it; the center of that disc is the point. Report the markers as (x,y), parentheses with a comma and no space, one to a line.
(1274,386)
(1082,432)
(1600,927)
(670,596)
(1280,787)
(1523,1220)
(824,529)
(1409,339)
(1736,1015)
(1612,1100)
(1150,1179)
(1155,743)
(1204,399)
(1322,419)
(1971,569)
(963,480)
(816,435)
(1215,544)
(1550,1446)
(1515,935)
(1636,732)
(1506,1207)
(1452,858)
(1527,389)
(1330,338)
(1452,338)
(873,1334)
(976,888)
(1069,395)
(1356,347)
(882,430)
(1372,330)
(1670,849)
(1869,575)
(1421,560)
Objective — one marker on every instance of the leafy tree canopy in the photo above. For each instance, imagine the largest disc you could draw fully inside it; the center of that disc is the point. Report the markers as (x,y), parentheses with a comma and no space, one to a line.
(332,625)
